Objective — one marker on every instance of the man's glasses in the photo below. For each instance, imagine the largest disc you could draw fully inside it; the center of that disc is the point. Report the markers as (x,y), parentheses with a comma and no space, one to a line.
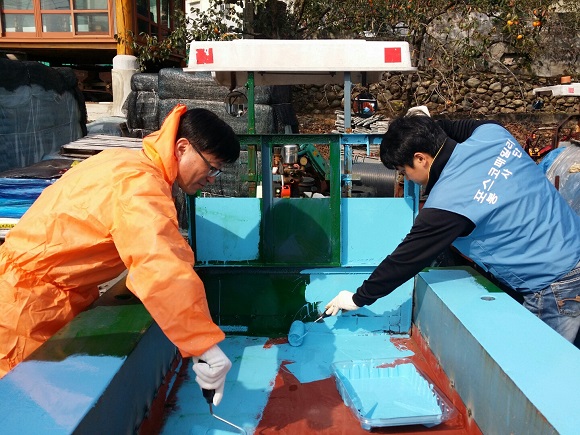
(213,171)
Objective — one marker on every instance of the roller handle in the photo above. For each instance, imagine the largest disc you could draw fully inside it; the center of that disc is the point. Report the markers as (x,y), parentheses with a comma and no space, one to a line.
(207,394)
(322,316)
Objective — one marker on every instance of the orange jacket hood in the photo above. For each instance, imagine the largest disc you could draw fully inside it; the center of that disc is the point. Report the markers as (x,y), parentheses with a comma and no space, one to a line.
(159,146)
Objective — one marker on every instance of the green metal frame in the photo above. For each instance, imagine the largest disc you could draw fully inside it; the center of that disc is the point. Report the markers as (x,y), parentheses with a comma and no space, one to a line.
(294,232)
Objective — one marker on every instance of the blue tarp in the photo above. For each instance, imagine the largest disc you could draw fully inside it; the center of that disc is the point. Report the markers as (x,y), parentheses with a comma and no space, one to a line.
(18,194)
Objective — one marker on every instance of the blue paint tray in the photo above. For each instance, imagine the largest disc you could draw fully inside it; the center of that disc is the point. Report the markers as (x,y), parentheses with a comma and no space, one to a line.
(390,392)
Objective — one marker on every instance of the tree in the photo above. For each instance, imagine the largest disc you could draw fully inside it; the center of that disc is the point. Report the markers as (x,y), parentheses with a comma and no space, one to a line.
(152,51)
(445,35)
(456,32)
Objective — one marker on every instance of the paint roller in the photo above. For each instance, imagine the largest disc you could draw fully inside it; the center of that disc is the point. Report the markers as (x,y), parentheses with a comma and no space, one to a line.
(298,331)
(208,396)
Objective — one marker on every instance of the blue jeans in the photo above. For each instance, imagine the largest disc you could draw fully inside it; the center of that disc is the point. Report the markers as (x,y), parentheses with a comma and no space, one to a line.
(558,305)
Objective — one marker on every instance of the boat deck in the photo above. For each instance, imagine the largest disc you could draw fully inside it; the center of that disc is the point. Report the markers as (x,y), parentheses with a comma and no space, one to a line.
(274,388)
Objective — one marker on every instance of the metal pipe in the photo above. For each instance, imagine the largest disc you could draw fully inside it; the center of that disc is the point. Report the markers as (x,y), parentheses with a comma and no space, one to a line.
(348,170)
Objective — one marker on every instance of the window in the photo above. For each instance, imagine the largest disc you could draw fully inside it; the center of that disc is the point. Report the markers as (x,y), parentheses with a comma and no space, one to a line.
(21,19)
(154,16)
(57,18)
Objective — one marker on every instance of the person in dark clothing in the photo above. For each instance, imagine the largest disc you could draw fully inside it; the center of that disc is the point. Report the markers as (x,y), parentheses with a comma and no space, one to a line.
(488,199)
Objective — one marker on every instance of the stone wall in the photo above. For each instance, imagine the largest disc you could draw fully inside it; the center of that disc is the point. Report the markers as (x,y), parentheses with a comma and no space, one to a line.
(474,95)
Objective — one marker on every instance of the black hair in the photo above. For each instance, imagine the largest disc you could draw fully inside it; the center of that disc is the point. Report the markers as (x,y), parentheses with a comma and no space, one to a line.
(209,133)
(406,136)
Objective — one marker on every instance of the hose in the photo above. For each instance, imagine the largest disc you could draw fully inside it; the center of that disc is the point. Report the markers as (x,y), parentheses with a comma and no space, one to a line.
(376,176)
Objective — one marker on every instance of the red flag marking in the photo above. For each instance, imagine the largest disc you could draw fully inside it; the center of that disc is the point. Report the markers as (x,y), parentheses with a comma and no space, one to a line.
(392,55)
(204,55)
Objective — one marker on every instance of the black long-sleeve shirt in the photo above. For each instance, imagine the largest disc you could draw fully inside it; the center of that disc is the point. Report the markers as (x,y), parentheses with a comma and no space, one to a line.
(433,231)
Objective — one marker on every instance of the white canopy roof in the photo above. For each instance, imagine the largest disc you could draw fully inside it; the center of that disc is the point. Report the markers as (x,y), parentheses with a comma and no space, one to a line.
(289,62)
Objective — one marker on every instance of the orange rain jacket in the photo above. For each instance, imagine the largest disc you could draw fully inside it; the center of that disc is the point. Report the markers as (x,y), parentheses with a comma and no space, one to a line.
(112,211)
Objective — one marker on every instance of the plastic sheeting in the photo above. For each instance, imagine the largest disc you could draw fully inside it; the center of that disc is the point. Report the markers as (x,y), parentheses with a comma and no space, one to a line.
(18,194)
(20,187)
(567,167)
(41,109)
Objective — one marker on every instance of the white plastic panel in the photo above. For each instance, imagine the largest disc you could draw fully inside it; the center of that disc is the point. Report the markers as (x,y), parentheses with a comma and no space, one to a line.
(569,90)
(316,61)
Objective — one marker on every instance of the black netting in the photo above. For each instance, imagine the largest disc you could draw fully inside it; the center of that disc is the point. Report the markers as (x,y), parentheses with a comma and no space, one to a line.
(264,114)
(143,110)
(153,96)
(148,82)
(234,180)
(175,83)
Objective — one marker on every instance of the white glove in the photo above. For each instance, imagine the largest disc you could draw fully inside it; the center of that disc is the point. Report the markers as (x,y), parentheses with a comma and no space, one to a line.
(342,301)
(211,373)
(418,110)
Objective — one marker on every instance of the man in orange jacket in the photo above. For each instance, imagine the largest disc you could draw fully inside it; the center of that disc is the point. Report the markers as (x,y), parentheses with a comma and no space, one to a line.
(111,212)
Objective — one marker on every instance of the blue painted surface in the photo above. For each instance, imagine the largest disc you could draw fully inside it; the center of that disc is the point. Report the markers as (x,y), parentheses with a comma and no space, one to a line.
(251,379)
(54,396)
(109,358)
(227,229)
(390,314)
(372,228)
(515,373)
(385,393)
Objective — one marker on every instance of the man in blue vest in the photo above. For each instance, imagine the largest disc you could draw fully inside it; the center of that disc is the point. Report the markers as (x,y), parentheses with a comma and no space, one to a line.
(488,199)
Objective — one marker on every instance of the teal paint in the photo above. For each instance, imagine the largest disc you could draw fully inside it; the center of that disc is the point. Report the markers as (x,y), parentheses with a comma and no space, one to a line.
(248,385)
(254,301)
(372,228)
(54,396)
(106,359)
(392,313)
(251,378)
(492,348)
(336,339)
(384,393)
(265,301)
(227,229)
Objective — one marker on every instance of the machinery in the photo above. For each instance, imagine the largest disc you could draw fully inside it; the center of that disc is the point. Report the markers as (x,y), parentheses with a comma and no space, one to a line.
(542,140)
(545,139)
(299,171)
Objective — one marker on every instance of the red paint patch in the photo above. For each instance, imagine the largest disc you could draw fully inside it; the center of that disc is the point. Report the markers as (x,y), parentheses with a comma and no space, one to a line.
(203,56)
(317,407)
(393,55)
(275,341)
(154,420)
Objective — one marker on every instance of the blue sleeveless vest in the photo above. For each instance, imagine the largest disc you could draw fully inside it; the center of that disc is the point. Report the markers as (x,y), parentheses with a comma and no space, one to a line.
(525,233)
